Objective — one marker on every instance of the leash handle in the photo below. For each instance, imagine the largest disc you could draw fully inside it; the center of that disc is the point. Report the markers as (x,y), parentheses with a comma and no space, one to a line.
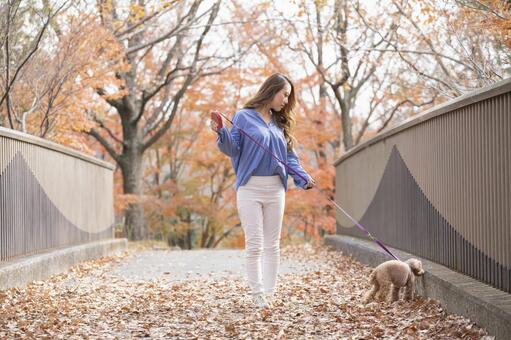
(215,116)
(360,226)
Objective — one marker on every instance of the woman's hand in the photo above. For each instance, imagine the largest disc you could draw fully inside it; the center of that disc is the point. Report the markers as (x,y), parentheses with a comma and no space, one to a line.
(311,183)
(216,121)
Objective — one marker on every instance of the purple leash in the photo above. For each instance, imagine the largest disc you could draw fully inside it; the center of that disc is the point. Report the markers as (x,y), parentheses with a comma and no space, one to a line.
(378,242)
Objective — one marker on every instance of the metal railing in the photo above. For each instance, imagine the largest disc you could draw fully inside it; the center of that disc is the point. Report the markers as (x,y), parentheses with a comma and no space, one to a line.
(50,196)
(439,186)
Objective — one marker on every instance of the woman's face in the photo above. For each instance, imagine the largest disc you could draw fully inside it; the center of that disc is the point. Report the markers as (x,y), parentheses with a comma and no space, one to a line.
(281,98)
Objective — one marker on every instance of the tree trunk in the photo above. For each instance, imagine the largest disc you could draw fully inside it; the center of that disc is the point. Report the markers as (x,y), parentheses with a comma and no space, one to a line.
(132,172)
(134,228)
(347,136)
(346,133)
(139,132)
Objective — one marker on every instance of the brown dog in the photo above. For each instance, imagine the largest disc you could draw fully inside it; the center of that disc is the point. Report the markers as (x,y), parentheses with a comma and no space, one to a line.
(394,275)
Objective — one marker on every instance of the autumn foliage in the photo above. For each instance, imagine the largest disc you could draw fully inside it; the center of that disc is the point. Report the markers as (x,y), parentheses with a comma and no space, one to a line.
(53,95)
(134,85)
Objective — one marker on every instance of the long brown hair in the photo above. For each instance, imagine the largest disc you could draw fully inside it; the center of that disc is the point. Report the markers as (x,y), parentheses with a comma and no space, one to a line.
(285,117)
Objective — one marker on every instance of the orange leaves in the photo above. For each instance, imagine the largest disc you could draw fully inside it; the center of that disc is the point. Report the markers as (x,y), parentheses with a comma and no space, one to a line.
(123,200)
(164,294)
(316,129)
(202,190)
(54,93)
(494,16)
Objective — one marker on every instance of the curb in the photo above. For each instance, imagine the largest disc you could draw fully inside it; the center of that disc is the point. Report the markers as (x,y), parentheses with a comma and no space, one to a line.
(19,272)
(458,294)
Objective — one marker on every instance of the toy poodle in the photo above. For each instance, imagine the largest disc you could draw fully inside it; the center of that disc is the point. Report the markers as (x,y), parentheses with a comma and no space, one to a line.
(392,276)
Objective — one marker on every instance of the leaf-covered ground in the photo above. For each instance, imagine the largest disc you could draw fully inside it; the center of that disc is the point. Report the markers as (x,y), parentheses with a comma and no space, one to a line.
(90,302)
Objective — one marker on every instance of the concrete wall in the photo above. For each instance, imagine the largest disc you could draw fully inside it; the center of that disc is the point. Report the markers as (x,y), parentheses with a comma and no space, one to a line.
(18,272)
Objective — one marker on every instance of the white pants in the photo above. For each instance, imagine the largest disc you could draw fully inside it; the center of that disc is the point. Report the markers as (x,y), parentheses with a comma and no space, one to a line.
(261,209)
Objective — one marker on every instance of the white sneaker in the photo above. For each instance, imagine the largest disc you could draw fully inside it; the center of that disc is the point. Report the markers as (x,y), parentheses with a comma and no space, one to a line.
(260,301)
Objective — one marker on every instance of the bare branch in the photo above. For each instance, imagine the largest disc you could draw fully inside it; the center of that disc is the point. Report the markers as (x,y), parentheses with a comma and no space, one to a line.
(105,144)
(118,104)
(104,127)
(424,38)
(174,31)
(457,61)
(423,74)
(479,6)
(225,234)
(187,82)
(147,96)
(32,52)
(120,35)
(394,110)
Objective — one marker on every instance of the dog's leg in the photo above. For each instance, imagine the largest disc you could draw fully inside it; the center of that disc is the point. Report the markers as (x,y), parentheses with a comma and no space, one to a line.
(395,293)
(410,287)
(372,293)
(384,290)
(374,289)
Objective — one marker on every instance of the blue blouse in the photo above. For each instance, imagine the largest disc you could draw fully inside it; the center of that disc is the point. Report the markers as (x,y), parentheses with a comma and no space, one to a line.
(250,159)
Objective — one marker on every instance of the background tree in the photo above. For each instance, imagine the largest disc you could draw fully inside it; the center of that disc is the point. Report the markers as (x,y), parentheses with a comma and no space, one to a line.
(141,79)
(49,93)
(162,45)
(19,45)
(494,17)
(443,47)
(350,59)
(190,181)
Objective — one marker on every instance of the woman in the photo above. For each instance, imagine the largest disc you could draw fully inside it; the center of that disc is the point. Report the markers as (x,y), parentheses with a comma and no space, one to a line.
(261,180)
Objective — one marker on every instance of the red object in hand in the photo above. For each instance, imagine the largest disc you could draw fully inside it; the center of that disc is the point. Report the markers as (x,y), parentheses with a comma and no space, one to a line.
(217,118)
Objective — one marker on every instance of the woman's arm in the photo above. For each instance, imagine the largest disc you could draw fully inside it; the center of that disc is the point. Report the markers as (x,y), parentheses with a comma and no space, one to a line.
(229,141)
(298,172)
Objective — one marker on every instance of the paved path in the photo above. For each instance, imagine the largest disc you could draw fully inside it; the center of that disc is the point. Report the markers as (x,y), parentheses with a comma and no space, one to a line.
(184,264)
(155,294)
